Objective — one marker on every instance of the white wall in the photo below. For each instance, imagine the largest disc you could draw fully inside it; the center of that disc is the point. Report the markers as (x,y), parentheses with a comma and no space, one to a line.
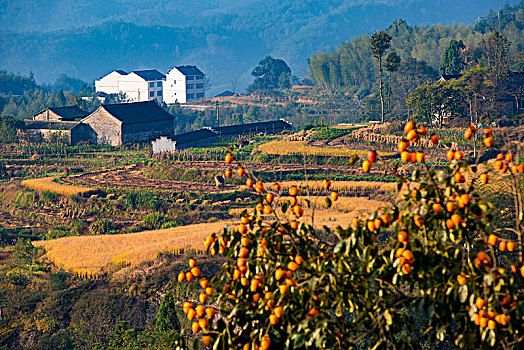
(181,88)
(108,84)
(135,87)
(175,87)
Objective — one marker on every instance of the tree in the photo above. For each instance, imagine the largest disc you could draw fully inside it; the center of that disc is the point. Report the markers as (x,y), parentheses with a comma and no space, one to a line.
(391,65)
(432,103)
(380,42)
(423,272)
(271,74)
(452,59)
(234,82)
(166,318)
(9,127)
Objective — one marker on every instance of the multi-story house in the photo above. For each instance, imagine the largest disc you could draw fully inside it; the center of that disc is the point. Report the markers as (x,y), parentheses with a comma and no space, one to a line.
(184,84)
(138,85)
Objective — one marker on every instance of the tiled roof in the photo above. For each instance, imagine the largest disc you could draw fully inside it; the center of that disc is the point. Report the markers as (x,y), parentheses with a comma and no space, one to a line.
(189,70)
(50,125)
(225,93)
(268,126)
(138,112)
(68,112)
(193,136)
(150,74)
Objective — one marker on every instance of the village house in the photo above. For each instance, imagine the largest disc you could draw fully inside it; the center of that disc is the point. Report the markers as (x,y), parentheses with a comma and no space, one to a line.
(69,132)
(197,138)
(184,84)
(138,85)
(117,124)
(67,113)
(206,136)
(268,127)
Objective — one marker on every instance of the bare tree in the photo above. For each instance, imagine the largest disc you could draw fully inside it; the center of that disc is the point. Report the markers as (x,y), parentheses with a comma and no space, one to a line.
(234,82)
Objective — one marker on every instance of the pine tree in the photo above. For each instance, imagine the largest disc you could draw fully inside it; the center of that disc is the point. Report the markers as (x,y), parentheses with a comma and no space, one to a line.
(452,60)
(166,318)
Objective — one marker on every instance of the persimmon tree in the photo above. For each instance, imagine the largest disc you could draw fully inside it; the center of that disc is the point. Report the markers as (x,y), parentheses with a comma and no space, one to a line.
(438,272)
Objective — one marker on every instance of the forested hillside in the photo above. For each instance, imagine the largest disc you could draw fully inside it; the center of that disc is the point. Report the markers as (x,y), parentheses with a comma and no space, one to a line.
(352,68)
(225,39)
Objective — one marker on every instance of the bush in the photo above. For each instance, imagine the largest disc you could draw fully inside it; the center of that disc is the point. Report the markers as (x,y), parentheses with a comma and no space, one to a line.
(102,227)
(153,221)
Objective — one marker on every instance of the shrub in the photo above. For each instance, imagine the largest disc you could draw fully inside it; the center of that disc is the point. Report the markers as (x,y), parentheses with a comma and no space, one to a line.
(153,221)
(102,227)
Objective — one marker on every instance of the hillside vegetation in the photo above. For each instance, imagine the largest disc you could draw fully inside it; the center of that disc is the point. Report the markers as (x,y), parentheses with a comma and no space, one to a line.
(224,39)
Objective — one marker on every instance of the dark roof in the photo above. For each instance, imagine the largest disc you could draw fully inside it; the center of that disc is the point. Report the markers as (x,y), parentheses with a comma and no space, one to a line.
(68,112)
(37,124)
(226,93)
(149,74)
(123,72)
(189,70)
(268,126)
(193,136)
(137,112)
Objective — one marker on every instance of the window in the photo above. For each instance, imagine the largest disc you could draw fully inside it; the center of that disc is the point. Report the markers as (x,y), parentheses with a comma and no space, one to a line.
(199,95)
(151,94)
(199,77)
(190,86)
(199,86)
(159,93)
(190,96)
(190,77)
(152,84)
(158,84)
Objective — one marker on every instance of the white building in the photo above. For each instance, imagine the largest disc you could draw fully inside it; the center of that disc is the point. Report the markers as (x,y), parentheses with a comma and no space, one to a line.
(184,84)
(138,85)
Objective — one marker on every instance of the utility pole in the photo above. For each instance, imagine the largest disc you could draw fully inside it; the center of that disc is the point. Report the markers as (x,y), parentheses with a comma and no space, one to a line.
(218,115)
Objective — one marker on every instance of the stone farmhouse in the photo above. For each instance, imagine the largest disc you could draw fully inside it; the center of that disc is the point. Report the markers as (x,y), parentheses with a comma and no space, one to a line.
(68,131)
(67,113)
(138,85)
(117,124)
(60,122)
(181,84)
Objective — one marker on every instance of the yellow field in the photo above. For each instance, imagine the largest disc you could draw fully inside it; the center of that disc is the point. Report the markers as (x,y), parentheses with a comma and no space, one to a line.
(342,185)
(48,184)
(301,148)
(87,255)
(341,213)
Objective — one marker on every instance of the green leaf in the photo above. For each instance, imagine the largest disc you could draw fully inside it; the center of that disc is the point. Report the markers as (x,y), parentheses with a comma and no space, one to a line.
(196,344)
(328,201)
(285,207)
(299,340)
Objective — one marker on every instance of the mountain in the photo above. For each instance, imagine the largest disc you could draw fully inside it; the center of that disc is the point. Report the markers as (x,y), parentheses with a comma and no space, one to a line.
(225,38)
